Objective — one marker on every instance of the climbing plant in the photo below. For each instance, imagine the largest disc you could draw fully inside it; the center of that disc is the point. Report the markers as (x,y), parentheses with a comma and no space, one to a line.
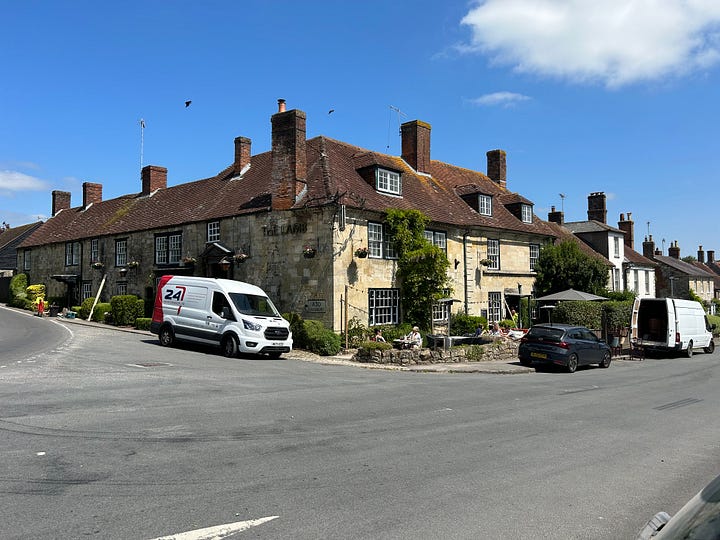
(422,266)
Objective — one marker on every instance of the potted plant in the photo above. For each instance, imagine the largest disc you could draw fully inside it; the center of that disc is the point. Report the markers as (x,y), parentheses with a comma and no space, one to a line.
(485,262)
(309,252)
(241,257)
(189,261)
(97,265)
(361,252)
(133,264)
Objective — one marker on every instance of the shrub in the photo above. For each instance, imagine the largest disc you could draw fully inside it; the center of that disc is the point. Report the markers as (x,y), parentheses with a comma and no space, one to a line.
(321,340)
(375,345)
(581,312)
(466,324)
(297,328)
(473,353)
(357,332)
(715,319)
(396,332)
(126,308)
(616,314)
(18,293)
(75,309)
(143,323)
(506,323)
(100,310)
(34,292)
(83,311)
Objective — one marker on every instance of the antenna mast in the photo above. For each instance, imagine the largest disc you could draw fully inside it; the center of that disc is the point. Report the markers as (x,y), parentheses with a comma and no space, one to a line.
(399,115)
(142,142)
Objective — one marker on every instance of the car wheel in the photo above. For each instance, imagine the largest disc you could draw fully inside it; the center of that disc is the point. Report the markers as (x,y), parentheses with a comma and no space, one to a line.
(572,363)
(229,346)
(166,336)
(710,348)
(606,360)
(689,351)
(525,362)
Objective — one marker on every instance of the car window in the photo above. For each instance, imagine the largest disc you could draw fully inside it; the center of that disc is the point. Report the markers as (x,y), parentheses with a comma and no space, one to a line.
(545,333)
(587,334)
(574,334)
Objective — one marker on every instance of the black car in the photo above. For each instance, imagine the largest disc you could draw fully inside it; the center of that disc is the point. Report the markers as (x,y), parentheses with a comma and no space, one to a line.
(562,345)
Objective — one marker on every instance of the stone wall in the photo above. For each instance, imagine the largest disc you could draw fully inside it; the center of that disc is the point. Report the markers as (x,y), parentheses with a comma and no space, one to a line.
(500,350)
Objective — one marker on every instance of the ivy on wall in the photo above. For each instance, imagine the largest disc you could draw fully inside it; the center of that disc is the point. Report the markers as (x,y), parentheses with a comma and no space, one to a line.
(422,266)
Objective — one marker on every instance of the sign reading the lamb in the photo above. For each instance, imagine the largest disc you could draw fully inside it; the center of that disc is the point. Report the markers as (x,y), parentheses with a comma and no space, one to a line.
(285,228)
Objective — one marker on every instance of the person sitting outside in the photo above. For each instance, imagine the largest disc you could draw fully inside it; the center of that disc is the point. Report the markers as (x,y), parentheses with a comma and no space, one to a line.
(414,339)
(378,336)
(495,329)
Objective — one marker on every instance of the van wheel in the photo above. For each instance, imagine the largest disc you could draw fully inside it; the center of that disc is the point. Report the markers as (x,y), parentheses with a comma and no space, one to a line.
(689,351)
(229,346)
(710,348)
(166,336)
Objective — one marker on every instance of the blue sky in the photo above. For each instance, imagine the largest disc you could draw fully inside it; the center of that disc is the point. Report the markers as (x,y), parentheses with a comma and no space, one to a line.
(614,96)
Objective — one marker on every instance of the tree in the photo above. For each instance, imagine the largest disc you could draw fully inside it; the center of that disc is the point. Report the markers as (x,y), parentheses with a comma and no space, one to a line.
(422,266)
(565,266)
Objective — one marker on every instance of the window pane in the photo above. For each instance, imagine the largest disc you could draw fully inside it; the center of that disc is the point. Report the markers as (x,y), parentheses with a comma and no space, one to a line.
(485,205)
(375,239)
(494,306)
(94,253)
(493,249)
(383,306)
(120,252)
(175,248)
(213,231)
(161,253)
(534,254)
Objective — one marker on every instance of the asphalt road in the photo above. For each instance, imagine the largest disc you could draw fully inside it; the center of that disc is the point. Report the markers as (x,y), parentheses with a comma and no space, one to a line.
(105,434)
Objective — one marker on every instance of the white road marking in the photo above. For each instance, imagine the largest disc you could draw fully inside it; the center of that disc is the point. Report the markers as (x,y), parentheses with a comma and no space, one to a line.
(219,531)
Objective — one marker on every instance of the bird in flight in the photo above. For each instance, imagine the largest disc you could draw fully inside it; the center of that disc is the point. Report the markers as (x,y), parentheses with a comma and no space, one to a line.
(187,104)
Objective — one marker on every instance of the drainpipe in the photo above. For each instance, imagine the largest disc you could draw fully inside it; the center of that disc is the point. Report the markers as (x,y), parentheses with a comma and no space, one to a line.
(465,273)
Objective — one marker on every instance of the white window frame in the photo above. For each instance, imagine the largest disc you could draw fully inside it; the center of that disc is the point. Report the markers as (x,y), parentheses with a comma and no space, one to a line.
(616,279)
(436,238)
(121,287)
(441,312)
(388,181)
(27,258)
(526,213)
(493,253)
(494,307)
(86,290)
(647,281)
(94,250)
(485,205)
(636,281)
(380,243)
(121,252)
(383,306)
(168,248)
(616,246)
(534,255)
(213,231)
(72,253)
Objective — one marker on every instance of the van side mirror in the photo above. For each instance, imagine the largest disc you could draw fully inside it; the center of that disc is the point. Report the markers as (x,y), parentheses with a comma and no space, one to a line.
(225,313)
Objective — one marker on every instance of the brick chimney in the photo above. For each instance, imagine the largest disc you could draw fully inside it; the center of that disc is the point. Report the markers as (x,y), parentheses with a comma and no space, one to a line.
(289,157)
(497,167)
(597,209)
(416,145)
(701,255)
(242,153)
(153,178)
(92,193)
(649,248)
(711,256)
(556,217)
(674,250)
(60,201)
(628,227)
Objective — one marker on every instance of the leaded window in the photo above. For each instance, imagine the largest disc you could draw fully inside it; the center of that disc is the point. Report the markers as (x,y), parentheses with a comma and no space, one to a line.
(383,306)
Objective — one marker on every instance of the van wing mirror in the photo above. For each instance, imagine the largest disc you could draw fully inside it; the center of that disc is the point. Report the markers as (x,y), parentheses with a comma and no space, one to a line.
(225,312)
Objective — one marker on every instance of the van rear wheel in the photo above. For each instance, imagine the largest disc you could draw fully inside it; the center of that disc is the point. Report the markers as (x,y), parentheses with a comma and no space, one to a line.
(689,351)
(166,336)
(710,348)
(229,346)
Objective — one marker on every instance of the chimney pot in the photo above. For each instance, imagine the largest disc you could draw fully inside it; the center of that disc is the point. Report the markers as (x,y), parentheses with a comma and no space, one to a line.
(281,105)
(597,209)
(674,250)
(701,255)
(628,227)
(710,256)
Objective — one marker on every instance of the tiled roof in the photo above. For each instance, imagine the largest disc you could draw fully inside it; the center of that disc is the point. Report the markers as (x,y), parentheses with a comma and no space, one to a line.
(332,176)
(10,239)
(579,227)
(682,266)
(635,258)
(710,270)
(563,234)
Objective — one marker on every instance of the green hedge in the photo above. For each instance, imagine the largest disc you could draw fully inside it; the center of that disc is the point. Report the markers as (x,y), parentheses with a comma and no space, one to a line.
(100,310)
(461,324)
(375,345)
(126,308)
(715,319)
(321,340)
(85,307)
(18,292)
(143,323)
(579,312)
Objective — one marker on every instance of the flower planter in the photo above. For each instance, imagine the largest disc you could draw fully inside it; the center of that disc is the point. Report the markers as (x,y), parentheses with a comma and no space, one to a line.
(309,254)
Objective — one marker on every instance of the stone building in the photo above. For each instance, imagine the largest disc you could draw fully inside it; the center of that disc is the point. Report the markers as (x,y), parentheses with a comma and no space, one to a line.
(675,277)
(291,221)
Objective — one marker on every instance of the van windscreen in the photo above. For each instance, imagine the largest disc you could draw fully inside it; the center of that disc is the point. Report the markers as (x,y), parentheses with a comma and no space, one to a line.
(250,304)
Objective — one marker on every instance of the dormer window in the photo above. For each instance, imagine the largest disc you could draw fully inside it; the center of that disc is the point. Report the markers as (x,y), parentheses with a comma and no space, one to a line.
(485,205)
(526,213)
(388,181)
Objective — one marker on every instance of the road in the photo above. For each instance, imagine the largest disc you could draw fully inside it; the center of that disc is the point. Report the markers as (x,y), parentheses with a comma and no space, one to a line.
(106,434)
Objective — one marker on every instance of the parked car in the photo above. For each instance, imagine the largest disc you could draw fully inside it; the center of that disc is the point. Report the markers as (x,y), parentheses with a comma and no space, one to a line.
(699,519)
(563,345)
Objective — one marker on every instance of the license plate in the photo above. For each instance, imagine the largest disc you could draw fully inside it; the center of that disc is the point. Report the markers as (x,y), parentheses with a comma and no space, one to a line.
(277,343)
(538,355)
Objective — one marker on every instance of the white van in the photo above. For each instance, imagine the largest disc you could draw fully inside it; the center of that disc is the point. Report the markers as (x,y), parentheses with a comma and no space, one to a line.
(236,316)
(670,324)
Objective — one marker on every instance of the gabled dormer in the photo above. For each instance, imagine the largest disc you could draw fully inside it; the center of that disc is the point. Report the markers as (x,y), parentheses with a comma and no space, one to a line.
(519,207)
(477,199)
(381,173)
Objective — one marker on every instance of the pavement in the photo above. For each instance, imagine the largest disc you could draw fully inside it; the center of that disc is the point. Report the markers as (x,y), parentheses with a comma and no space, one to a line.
(345,358)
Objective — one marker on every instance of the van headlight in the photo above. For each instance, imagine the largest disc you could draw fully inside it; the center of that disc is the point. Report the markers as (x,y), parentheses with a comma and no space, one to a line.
(249,325)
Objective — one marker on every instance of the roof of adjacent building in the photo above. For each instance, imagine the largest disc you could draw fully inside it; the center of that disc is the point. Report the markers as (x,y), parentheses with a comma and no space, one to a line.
(590,226)
(562,234)
(10,238)
(333,177)
(683,267)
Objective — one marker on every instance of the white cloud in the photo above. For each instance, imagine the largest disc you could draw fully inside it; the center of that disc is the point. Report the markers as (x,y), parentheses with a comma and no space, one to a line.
(615,42)
(17,181)
(502,99)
